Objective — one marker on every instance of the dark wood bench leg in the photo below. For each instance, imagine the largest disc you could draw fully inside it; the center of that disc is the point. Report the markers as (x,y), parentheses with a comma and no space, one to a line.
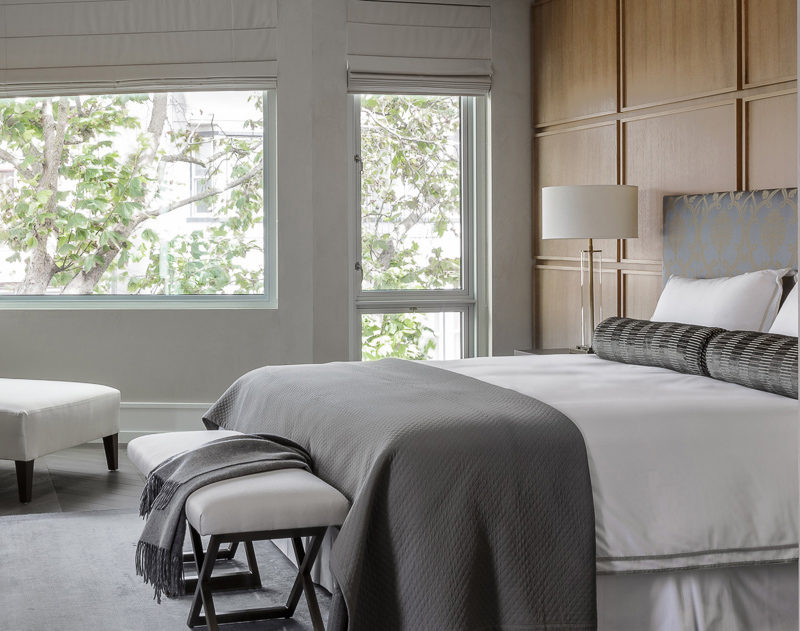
(206,584)
(304,561)
(202,595)
(24,480)
(111,445)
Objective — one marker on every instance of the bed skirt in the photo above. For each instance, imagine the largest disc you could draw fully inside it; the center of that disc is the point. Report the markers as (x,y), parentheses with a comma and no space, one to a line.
(738,598)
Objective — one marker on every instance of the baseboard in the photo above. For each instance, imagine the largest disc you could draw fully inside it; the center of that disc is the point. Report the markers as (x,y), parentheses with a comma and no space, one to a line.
(137,418)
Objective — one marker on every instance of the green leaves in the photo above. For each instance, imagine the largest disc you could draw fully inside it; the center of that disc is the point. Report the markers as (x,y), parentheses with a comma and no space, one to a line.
(402,335)
(76,220)
(136,187)
(89,262)
(111,184)
(410,212)
(411,206)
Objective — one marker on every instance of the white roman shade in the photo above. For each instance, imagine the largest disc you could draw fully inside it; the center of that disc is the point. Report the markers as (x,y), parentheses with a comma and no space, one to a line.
(419,46)
(69,46)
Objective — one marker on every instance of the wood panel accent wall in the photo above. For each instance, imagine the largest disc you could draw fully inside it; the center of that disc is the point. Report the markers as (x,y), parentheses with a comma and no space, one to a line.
(674,96)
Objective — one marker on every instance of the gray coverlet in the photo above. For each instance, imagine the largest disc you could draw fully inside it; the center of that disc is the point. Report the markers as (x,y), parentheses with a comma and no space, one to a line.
(471,504)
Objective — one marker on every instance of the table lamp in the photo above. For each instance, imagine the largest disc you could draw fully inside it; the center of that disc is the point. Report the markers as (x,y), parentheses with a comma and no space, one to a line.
(590,212)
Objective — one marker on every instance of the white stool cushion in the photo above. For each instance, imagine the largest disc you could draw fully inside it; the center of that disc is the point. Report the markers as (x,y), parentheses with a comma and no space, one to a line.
(147,452)
(273,500)
(40,417)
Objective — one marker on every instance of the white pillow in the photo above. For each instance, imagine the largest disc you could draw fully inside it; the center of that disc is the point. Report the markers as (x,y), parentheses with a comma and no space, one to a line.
(747,302)
(786,320)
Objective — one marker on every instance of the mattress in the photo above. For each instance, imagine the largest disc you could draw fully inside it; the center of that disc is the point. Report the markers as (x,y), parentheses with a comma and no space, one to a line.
(687,472)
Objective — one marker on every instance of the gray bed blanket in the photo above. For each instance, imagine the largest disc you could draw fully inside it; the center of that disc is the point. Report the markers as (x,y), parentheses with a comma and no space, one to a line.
(471,504)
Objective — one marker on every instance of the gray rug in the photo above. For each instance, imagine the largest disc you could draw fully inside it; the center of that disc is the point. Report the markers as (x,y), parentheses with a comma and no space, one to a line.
(75,572)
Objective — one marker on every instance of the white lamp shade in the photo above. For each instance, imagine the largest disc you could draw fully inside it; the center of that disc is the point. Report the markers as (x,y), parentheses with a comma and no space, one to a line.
(590,212)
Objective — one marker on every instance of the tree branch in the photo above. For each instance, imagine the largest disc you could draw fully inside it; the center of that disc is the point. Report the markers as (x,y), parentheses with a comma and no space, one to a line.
(185,157)
(258,168)
(16,163)
(83,281)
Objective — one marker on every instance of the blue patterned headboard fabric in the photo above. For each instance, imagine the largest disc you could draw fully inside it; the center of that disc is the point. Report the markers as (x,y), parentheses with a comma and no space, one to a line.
(724,234)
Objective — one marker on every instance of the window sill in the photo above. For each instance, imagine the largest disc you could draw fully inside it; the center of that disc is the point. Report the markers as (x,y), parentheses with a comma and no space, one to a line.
(132,303)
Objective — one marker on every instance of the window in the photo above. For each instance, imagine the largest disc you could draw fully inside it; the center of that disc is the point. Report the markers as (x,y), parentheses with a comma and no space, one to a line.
(419,190)
(145,195)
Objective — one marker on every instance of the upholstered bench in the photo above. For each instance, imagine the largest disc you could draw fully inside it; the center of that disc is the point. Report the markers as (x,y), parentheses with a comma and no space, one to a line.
(40,417)
(283,504)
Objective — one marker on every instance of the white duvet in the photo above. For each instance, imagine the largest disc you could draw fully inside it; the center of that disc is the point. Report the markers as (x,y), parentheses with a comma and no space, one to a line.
(686,471)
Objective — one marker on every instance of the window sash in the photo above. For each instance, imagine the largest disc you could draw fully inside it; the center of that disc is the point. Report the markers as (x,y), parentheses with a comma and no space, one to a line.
(467,312)
(267,300)
(471,298)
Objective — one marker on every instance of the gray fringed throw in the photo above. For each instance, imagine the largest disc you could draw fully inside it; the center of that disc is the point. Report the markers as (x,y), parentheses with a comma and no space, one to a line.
(159,554)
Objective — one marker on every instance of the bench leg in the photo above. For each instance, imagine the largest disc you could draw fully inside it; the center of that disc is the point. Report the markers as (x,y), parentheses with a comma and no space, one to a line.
(24,480)
(206,584)
(203,591)
(304,574)
(111,445)
(235,581)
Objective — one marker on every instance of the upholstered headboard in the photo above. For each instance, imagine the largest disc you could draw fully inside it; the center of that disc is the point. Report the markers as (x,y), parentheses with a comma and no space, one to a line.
(723,234)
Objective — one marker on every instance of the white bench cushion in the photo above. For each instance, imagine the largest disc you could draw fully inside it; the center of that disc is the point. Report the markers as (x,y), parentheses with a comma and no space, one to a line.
(147,452)
(273,500)
(40,417)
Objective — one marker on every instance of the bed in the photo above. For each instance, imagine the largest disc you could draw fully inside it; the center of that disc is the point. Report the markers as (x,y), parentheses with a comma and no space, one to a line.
(693,480)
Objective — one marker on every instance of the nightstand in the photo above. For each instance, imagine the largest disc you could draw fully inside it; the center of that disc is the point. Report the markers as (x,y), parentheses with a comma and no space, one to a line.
(542,351)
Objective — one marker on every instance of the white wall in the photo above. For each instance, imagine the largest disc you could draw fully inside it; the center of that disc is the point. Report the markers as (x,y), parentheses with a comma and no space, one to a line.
(193,355)
(510,182)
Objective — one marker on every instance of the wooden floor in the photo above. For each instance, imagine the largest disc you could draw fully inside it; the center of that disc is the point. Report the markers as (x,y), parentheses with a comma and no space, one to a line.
(75,479)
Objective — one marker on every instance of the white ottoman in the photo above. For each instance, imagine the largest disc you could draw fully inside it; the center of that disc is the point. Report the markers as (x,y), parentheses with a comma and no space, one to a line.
(40,417)
(288,503)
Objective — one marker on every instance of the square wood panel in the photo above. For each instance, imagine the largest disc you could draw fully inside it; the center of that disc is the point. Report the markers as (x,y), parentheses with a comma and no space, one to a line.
(771,142)
(575,48)
(640,293)
(674,49)
(580,156)
(691,151)
(770,41)
(558,304)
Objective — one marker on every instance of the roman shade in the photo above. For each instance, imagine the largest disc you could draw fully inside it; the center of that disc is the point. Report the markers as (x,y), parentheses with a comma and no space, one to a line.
(71,47)
(419,46)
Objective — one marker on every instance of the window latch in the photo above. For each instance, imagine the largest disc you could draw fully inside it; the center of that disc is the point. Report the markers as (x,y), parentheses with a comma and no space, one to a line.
(359,162)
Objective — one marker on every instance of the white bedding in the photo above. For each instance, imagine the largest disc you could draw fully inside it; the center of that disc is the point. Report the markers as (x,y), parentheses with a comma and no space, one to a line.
(686,471)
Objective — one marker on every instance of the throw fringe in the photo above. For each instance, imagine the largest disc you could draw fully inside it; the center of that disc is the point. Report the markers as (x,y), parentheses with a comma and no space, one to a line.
(149,493)
(160,568)
(165,494)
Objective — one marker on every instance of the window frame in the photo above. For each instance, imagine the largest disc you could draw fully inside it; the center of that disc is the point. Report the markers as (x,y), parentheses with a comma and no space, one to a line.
(267,300)
(472,298)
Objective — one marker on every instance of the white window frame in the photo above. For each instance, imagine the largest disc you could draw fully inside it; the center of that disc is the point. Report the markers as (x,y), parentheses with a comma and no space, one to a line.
(472,299)
(267,300)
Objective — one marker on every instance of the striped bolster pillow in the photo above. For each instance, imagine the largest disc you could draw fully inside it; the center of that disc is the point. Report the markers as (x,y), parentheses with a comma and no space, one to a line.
(679,347)
(764,361)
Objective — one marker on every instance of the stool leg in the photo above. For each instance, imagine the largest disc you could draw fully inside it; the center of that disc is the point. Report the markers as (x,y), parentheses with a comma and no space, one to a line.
(230,552)
(252,564)
(24,479)
(111,445)
(305,563)
(199,559)
(203,590)
(297,586)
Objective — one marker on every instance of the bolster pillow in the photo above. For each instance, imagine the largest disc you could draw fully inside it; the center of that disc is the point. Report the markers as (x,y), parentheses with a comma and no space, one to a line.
(764,361)
(679,347)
